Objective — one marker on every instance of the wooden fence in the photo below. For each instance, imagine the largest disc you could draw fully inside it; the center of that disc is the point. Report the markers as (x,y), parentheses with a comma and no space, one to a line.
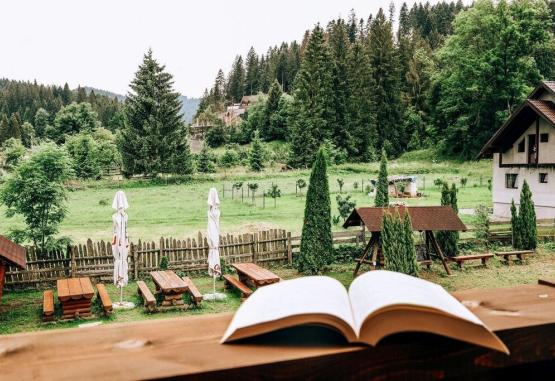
(96,260)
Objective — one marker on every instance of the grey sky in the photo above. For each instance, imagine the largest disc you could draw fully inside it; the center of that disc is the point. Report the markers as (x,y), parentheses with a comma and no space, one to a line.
(100,43)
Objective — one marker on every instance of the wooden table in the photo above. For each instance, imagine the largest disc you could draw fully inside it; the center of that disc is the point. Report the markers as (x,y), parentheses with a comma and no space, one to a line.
(189,348)
(75,295)
(170,286)
(254,275)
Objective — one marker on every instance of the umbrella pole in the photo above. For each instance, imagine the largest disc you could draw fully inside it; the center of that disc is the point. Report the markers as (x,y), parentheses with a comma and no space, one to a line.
(214,284)
(121,295)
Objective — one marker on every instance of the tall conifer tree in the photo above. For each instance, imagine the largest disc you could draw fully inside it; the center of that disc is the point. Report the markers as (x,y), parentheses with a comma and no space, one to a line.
(154,138)
(382,186)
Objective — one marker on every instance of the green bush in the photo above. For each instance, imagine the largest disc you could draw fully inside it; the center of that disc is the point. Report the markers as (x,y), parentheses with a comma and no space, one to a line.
(398,244)
(347,253)
(164,263)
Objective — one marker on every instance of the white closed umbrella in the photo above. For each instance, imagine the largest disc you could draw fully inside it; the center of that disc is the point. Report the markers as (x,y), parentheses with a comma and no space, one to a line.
(120,246)
(213,232)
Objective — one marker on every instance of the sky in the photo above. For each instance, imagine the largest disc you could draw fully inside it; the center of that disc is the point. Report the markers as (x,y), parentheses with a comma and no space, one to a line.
(100,43)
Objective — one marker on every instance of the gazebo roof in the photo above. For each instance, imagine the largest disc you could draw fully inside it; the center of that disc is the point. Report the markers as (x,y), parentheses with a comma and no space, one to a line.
(12,253)
(433,218)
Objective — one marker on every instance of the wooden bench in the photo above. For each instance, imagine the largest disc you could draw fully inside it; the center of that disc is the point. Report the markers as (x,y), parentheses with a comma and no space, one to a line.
(425,262)
(509,255)
(104,299)
(48,306)
(230,281)
(148,298)
(194,293)
(463,258)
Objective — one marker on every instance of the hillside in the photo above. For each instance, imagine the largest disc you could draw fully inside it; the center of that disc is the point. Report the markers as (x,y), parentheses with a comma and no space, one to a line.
(188,109)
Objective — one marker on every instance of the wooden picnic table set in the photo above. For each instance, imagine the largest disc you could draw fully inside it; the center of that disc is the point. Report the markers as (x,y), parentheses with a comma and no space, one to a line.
(250,276)
(171,288)
(75,296)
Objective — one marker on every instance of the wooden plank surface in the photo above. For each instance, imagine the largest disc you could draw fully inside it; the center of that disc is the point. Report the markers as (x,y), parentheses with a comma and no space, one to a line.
(523,316)
(63,289)
(75,289)
(86,288)
(168,281)
(256,273)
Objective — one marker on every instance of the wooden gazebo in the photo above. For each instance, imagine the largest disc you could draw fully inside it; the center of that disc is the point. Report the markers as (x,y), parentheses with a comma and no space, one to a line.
(11,254)
(427,219)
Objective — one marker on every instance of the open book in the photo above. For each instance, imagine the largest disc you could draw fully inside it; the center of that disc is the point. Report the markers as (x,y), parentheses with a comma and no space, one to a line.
(378,304)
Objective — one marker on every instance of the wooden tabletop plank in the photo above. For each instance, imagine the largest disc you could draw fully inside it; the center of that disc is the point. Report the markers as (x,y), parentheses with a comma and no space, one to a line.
(75,289)
(113,351)
(168,281)
(63,290)
(87,287)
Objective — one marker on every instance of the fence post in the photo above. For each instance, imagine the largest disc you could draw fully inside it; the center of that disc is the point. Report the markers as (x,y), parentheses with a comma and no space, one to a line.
(73,263)
(135,261)
(289,248)
(255,247)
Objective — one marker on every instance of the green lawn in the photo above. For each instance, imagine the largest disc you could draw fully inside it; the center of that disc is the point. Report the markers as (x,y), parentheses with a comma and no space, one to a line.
(180,210)
(20,311)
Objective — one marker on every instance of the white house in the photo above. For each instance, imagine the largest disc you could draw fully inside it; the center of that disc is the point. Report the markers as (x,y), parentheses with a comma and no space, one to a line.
(524,149)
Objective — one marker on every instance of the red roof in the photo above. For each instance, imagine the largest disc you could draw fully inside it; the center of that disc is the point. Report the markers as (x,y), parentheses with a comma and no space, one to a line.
(13,253)
(432,218)
(545,108)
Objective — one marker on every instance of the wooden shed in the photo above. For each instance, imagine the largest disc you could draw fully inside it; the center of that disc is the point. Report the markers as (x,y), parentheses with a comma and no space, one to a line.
(427,219)
(11,254)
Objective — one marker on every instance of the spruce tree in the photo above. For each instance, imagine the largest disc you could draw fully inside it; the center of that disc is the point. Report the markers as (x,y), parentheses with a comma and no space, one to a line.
(527,219)
(385,92)
(154,138)
(316,240)
(313,105)
(236,81)
(4,127)
(205,163)
(252,73)
(382,186)
(515,226)
(256,156)
(272,106)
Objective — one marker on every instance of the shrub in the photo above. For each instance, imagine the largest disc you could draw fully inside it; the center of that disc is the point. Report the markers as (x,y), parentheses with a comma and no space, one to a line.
(347,253)
(482,224)
(164,263)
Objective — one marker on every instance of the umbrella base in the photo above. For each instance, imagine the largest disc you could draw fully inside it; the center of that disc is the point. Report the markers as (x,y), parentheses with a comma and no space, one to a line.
(214,296)
(123,305)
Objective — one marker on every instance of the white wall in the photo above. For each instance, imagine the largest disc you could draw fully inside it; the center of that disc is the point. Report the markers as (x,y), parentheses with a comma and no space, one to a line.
(547,150)
(543,195)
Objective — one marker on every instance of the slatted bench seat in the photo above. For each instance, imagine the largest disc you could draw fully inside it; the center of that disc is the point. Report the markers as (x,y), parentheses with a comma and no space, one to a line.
(463,258)
(104,299)
(230,281)
(194,293)
(508,256)
(425,262)
(48,306)
(148,298)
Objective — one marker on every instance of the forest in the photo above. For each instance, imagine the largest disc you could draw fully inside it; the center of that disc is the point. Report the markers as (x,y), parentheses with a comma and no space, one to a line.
(447,77)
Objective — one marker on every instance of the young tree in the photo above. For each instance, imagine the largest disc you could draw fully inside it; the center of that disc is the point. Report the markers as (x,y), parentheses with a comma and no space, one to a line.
(36,192)
(205,162)
(515,227)
(527,219)
(340,182)
(398,244)
(382,186)
(316,240)
(256,156)
(154,138)
(228,159)
(84,152)
(345,206)
(253,187)
(272,107)
(274,193)
(300,185)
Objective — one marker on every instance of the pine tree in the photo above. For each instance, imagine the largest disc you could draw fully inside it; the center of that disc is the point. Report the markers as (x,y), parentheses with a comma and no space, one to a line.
(4,127)
(384,61)
(360,117)
(236,81)
(256,156)
(515,227)
(272,106)
(154,138)
(313,103)
(382,186)
(527,219)
(252,73)
(205,162)
(316,241)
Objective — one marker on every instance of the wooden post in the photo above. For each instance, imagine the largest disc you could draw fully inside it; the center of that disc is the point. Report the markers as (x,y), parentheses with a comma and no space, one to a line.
(2,277)
(289,248)
(73,262)
(255,247)
(133,249)
(438,251)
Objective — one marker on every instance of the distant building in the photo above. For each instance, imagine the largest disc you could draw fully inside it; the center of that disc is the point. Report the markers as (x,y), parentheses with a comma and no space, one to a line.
(524,149)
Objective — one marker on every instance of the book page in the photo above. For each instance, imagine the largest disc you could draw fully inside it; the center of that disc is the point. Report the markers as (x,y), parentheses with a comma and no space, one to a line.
(378,289)
(313,295)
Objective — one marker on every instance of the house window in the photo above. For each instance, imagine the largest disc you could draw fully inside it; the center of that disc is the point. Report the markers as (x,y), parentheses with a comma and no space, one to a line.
(544,138)
(543,178)
(510,180)
(521,146)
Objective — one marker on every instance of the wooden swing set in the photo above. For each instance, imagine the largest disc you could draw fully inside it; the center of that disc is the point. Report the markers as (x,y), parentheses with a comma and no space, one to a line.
(425,219)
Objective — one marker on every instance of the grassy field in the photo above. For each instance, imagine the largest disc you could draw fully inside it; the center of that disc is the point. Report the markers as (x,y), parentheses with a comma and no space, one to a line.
(20,311)
(179,210)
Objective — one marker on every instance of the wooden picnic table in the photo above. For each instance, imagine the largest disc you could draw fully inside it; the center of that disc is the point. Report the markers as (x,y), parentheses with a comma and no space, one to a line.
(254,275)
(170,286)
(75,295)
